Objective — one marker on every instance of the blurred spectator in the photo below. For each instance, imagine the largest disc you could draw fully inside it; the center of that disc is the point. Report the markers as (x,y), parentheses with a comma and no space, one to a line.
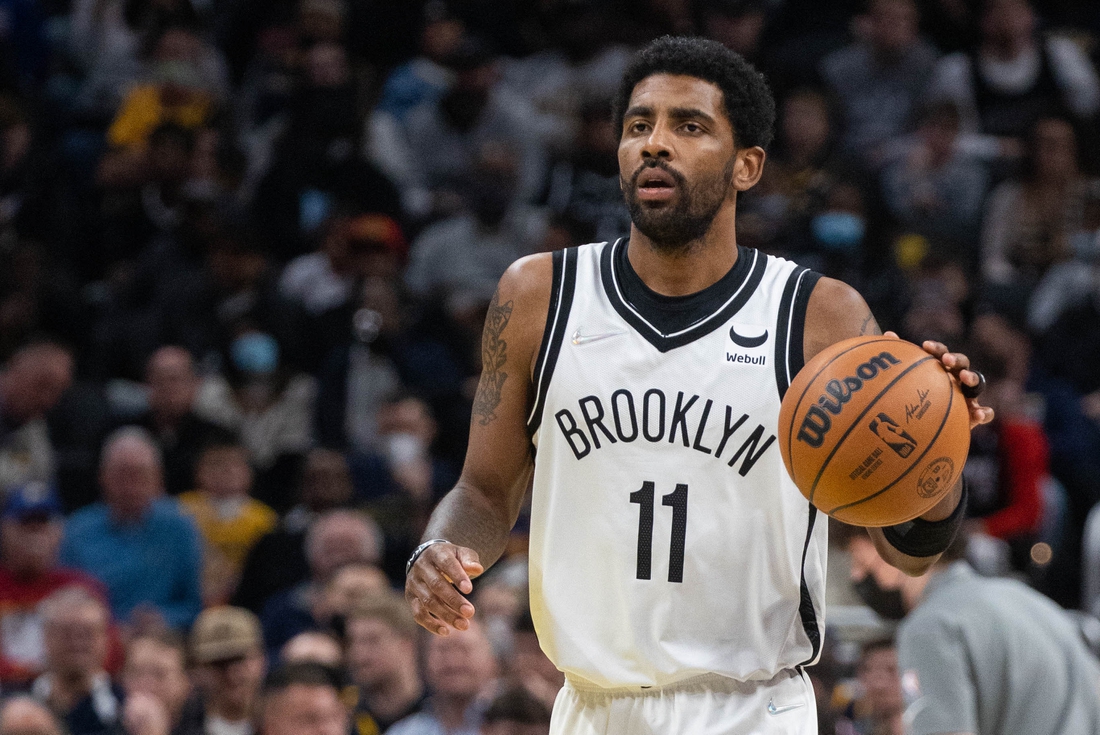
(177,93)
(1009,461)
(75,685)
(424,78)
(316,161)
(136,541)
(143,194)
(159,695)
(303,699)
(229,520)
(1016,76)
(460,671)
(109,39)
(1029,222)
(965,639)
(30,385)
(227,648)
(37,292)
(803,166)
(172,386)
(351,584)
(935,182)
(264,398)
(444,139)
(385,355)
(278,561)
(352,248)
(879,80)
(738,25)
(880,707)
(30,535)
(582,189)
(336,539)
(23,715)
(516,712)
(460,259)
(530,667)
(313,647)
(382,661)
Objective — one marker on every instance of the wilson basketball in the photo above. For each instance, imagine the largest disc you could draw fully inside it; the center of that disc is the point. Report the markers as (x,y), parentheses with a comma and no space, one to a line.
(873,431)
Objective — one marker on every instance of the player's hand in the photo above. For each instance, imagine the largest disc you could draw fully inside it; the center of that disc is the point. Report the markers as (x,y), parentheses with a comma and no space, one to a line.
(434,585)
(958,366)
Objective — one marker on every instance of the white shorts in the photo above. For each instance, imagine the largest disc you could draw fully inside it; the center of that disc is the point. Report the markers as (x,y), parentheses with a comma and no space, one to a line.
(705,705)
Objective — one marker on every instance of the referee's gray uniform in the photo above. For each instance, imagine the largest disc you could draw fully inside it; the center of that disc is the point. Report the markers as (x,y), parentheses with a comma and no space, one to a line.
(994,657)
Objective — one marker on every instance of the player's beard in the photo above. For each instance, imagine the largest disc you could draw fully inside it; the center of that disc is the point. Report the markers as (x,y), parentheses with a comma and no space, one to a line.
(685,219)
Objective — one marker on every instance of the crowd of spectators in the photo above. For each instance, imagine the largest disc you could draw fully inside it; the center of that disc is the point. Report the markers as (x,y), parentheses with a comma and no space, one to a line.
(247,246)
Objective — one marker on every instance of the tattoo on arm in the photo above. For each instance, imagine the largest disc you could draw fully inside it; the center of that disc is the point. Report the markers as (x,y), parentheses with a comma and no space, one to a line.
(494,355)
(870,326)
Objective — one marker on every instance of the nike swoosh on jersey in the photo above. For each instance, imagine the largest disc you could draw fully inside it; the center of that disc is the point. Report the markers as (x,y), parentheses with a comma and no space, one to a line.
(743,341)
(583,339)
(773,710)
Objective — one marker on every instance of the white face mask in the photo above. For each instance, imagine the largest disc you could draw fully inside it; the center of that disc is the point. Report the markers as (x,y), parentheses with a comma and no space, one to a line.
(402,448)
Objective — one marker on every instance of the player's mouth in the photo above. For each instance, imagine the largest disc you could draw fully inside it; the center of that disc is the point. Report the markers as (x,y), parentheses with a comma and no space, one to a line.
(656,185)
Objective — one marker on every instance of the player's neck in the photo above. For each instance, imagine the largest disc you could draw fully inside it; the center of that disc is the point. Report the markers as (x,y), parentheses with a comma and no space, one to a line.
(698,264)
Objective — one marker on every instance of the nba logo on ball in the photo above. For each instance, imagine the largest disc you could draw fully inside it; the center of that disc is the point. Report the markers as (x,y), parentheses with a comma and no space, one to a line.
(936,477)
(872,430)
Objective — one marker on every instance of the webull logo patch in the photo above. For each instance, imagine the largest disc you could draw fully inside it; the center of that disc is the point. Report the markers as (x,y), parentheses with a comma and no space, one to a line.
(818,421)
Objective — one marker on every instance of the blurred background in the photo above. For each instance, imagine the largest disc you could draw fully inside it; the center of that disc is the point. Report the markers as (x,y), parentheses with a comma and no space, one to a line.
(246,249)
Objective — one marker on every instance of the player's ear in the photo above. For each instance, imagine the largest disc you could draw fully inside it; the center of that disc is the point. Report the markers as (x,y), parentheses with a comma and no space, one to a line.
(748,167)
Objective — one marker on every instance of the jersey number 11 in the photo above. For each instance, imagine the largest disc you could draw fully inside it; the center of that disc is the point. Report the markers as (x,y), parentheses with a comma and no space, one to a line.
(678,501)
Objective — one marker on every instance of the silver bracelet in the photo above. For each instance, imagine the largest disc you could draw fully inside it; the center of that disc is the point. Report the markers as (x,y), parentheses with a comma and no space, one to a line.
(420,550)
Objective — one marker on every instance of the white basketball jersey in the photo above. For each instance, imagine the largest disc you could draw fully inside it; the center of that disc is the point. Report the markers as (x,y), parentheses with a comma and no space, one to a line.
(667,539)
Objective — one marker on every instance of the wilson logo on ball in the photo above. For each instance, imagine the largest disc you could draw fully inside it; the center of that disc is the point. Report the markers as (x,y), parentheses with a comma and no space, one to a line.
(816,423)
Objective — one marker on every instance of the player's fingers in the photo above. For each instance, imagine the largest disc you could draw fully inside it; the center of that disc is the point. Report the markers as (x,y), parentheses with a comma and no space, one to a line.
(444,601)
(447,560)
(471,564)
(420,612)
(428,610)
(955,361)
(891,334)
(936,349)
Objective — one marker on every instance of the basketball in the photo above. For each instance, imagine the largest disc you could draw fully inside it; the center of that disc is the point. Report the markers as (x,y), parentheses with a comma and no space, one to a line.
(873,431)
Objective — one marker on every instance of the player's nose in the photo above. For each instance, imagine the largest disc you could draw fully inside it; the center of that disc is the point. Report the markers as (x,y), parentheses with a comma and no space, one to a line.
(658,144)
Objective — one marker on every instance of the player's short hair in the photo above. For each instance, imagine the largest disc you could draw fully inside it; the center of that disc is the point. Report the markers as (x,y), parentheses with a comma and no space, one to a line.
(749,104)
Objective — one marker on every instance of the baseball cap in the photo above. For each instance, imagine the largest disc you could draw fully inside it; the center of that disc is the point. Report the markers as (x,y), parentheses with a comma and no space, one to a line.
(32,499)
(224,633)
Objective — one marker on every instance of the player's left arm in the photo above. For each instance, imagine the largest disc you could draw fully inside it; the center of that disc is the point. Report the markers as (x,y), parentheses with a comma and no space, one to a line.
(835,312)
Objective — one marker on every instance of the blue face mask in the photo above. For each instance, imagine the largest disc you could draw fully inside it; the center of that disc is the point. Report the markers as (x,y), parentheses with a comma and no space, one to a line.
(838,230)
(255,353)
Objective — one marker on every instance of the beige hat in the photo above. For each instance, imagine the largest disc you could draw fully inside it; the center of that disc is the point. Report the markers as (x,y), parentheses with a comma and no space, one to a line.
(223,633)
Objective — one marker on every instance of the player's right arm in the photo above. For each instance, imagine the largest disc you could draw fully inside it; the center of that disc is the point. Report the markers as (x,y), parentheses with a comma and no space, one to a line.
(476,517)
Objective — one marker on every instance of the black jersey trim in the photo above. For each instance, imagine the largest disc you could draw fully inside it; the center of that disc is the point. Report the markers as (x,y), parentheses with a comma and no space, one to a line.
(796,354)
(806,608)
(790,329)
(741,291)
(783,331)
(562,288)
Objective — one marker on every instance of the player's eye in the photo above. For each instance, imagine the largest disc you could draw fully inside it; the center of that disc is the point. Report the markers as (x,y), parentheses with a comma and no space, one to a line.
(692,127)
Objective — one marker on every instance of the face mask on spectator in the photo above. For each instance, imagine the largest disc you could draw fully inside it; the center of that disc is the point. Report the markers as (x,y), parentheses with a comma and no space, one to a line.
(366,325)
(838,230)
(255,353)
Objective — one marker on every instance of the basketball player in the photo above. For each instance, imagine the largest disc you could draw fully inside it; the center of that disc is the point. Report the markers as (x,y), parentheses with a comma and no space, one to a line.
(677,575)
